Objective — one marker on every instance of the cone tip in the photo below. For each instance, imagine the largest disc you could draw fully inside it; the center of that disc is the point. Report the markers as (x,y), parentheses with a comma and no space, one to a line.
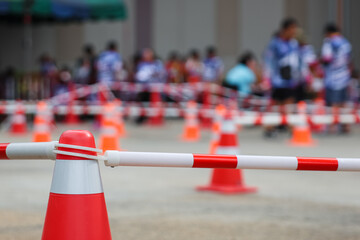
(78,137)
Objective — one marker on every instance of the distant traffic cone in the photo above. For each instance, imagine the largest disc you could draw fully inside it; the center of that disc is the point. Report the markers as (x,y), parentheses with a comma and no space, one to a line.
(119,120)
(42,121)
(157,112)
(109,139)
(76,208)
(205,113)
(191,130)
(227,181)
(71,117)
(220,111)
(318,111)
(18,120)
(302,132)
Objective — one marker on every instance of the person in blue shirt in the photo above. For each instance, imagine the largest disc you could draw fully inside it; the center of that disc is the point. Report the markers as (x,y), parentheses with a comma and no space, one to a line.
(150,70)
(335,56)
(109,65)
(242,75)
(213,67)
(282,62)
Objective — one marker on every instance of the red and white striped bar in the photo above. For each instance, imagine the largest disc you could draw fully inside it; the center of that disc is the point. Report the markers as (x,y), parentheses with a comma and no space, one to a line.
(40,150)
(188,160)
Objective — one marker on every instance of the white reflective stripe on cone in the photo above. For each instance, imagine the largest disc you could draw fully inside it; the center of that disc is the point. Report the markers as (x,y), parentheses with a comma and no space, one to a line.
(116,158)
(42,150)
(228,126)
(227,150)
(348,164)
(76,177)
(270,162)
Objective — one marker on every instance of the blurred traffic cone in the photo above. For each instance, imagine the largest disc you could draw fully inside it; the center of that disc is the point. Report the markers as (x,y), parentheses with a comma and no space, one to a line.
(157,112)
(220,111)
(318,111)
(205,113)
(191,130)
(71,117)
(228,181)
(119,120)
(302,132)
(41,132)
(18,120)
(109,139)
(76,208)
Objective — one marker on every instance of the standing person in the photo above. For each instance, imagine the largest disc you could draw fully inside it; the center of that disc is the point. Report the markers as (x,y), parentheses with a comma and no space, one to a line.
(242,76)
(149,69)
(282,65)
(86,67)
(194,67)
(308,62)
(175,68)
(213,67)
(335,56)
(48,72)
(109,65)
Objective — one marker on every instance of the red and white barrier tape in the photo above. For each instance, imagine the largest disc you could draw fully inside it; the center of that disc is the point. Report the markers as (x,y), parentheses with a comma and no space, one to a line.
(188,160)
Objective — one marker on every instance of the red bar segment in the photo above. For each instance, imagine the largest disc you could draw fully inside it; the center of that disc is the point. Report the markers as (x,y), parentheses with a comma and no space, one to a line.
(317,164)
(3,147)
(214,161)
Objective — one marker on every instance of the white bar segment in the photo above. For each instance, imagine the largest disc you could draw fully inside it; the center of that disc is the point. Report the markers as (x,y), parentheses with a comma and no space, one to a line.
(76,177)
(148,159)
(42,150)
(348,164)
(267,162)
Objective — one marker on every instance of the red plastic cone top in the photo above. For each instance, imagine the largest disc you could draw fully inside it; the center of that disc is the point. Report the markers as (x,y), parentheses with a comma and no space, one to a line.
(18,120)
(76,208)
(157,114)
(228,181)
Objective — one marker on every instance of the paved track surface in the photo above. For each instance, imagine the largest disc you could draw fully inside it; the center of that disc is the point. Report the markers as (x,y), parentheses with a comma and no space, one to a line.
(161,203)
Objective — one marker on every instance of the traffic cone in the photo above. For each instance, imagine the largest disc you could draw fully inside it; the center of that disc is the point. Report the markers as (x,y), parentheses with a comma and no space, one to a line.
(157,115)
(108,132)
(227,181)
(41,132)
(76,208)
(71,117)
(301,132)
(318,110)
(18,120)
(204,114)
(220,111)
(119,120)
(191,130)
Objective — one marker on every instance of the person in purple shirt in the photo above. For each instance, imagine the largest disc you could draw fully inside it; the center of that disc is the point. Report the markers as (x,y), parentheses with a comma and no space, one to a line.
(335,56)
(213,67)
(282,62)
(109,64)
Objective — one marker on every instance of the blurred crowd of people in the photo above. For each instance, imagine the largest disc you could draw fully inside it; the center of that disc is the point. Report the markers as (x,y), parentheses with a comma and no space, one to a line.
(289,71)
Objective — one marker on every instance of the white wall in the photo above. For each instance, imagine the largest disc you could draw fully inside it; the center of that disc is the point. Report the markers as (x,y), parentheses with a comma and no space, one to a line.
(259,19)
(183,25)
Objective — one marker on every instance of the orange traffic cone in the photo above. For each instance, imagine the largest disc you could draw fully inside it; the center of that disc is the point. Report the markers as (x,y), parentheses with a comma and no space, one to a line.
(301,132)
(42,122)
(108,132)
(191,131)
(227,181)
(118,120)
(318,110)
(157,114)
(76,208)
(18,120)
(220,111)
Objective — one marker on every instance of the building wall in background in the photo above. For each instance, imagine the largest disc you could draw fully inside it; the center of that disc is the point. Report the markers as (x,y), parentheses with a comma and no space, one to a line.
(231,25)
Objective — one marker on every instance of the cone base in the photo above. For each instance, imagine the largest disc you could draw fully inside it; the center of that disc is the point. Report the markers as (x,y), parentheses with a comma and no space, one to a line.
(190,139)
(228,189)
(295,143)
(42,138)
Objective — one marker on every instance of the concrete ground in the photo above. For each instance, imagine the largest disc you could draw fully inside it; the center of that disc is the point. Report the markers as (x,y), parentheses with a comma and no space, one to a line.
(161,203)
